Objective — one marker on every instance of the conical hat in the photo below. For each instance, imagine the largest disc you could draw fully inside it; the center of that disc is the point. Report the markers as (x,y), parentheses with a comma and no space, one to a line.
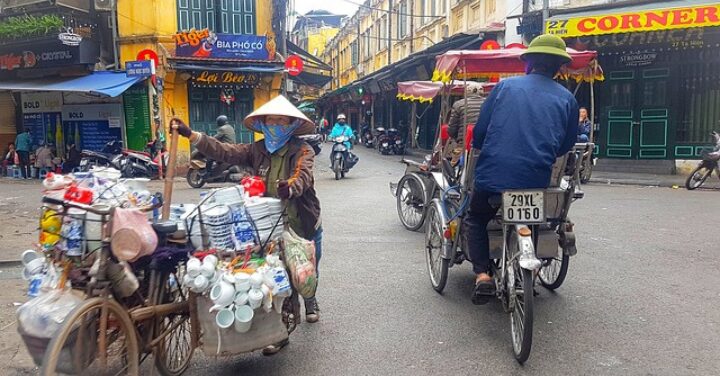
(280,106)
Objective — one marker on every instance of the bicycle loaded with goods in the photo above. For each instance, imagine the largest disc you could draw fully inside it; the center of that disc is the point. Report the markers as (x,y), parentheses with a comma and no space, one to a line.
(532,238)
(112,284)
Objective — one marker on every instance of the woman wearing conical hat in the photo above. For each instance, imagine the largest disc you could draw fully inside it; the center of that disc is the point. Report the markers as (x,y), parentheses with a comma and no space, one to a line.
(284,161)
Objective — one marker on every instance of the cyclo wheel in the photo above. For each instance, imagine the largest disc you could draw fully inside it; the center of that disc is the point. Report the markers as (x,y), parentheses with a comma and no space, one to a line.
(411,202)
(434,242)
(697,177)
(586,170)
(553,271)
(76,347)
(522,314)
(174,352)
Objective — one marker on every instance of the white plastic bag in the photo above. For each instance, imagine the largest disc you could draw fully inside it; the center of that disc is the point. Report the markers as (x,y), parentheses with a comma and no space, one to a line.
(43,316)
(300,259)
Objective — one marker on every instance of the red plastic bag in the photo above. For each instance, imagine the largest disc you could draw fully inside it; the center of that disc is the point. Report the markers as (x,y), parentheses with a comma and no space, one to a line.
(254,186)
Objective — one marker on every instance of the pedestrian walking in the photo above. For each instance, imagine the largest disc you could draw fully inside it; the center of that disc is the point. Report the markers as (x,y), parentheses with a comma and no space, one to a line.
(23,145)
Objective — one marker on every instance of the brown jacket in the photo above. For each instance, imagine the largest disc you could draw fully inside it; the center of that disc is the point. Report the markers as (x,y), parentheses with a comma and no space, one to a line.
(456,128)
(300,159)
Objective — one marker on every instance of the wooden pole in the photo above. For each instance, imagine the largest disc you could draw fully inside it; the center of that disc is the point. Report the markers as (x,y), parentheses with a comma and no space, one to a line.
(592,104)
(170,175)
(413,125)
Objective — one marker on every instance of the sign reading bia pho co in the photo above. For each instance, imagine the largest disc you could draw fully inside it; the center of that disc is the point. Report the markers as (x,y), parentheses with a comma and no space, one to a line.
(206,44)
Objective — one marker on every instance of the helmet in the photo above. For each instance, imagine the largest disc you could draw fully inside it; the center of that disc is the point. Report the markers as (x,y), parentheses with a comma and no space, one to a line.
(221,120)
(341,117)
(548,44)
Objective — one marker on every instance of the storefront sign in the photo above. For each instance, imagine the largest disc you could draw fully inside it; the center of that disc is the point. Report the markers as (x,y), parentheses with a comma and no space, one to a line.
(686,38)
(33,103)
(638,59)
(46,54)
(646,20)
(294,65)
(227,78)
(95,124)
(137,117)
(206,44)
(70,39)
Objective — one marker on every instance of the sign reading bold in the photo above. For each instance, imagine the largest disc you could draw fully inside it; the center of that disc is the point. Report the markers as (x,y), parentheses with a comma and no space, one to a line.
(227,78)
(645,20)
(206,44)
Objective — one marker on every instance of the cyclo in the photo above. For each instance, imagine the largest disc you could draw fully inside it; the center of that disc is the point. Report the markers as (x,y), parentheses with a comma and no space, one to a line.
(532,237)
(117,323)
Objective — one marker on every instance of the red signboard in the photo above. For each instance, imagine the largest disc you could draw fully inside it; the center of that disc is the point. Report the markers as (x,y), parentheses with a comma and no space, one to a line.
(148,55)
(294,65)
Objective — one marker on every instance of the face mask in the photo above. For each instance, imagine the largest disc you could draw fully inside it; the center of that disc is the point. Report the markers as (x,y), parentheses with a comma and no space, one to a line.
(276,136)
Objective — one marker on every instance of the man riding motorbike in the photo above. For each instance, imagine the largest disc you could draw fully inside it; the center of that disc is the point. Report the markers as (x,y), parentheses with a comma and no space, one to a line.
(524,125)
(285,162)
(225,133)
(341,128)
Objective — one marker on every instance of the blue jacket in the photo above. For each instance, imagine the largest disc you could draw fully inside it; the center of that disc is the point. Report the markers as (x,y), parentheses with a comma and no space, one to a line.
(342,130)
(524,125)
(23,142)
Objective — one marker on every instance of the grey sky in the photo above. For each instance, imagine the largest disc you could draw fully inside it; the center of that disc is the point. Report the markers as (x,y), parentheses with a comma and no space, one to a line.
(335,6)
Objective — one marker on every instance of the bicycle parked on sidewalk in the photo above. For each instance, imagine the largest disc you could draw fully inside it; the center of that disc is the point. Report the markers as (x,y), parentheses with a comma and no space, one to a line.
(706,167)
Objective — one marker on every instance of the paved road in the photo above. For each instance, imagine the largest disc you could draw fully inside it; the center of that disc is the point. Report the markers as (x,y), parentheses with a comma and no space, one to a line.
(641,297)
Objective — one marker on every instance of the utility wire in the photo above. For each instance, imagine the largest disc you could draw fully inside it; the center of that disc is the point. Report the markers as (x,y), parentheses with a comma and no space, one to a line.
(388,11)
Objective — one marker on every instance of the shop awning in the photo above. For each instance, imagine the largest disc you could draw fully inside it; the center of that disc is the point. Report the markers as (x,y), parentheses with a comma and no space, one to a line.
(225,65)
(108,84)
(657,15)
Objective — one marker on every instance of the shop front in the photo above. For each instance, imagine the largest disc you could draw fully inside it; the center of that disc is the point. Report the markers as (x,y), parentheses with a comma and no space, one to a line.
(661,96)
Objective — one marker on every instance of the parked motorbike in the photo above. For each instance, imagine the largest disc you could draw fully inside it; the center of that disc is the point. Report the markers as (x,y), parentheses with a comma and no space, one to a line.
(197,176)
(389,141)
(138,164)
(706,167)
(341,158)
(110,156)
(368,138)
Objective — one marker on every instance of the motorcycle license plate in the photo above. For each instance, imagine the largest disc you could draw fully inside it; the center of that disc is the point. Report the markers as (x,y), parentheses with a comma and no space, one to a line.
(523,206)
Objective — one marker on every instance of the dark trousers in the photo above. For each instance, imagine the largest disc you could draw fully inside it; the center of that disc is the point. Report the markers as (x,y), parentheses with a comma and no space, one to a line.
(479,215)
(24,157)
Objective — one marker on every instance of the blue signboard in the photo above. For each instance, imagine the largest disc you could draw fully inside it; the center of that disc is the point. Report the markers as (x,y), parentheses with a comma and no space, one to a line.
(141,68)
(225,46)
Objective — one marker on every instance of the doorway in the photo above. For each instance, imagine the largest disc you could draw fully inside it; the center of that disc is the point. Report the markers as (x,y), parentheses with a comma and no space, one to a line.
(206,106)
(637,114)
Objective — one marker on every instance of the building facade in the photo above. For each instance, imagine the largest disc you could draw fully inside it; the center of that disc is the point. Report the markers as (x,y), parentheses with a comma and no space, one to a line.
(660,99)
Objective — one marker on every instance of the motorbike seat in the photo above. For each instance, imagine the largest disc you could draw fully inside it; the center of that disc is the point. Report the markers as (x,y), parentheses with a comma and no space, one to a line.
(165,228)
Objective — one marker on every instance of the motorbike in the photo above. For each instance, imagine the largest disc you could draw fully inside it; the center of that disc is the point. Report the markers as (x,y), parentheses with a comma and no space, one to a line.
(706,167)
(110,156)
(341,158)
(197,176)
(138,164)
(368,138)
(390,141)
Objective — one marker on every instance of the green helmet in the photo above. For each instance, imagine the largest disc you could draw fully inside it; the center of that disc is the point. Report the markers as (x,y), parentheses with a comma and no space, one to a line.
(548,44)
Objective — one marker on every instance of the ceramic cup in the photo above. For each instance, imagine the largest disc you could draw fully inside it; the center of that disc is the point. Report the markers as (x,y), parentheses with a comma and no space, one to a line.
(28,256)
(224,318)
(242,282)
(241,298)
(188,281)
(256,280)
(210,259)
(35,266)
(200,284)
(222,294)
(193,267)
(207,269)
(243,318)
(255,298)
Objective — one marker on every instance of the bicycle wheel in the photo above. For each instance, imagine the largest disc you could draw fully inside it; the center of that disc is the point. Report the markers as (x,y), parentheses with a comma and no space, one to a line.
(553,271)
(434,241)
(586,171)
(174,352)
(521,316)
(97,338)
(411,202)
(697,177)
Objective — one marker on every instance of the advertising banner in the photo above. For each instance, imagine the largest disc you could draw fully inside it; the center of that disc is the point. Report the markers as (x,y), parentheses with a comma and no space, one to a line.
(206,44)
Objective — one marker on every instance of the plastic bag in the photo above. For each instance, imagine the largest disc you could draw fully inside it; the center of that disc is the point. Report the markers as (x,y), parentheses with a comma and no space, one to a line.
(300,259)
(133,237)
(43,316)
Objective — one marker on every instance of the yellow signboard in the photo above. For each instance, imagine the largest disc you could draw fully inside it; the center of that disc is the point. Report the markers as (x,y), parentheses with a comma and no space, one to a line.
(637,21)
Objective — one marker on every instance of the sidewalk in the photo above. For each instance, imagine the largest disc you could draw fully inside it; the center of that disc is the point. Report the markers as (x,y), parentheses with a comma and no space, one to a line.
(626,178)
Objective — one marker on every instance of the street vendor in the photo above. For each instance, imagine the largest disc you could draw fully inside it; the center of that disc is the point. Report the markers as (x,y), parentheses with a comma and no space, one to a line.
(286,164)
(524,125)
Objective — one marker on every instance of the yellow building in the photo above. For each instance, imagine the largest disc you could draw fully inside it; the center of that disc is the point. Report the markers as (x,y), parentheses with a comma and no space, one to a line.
(213,59)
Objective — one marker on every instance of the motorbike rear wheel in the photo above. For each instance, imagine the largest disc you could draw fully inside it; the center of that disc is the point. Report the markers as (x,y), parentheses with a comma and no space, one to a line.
(337,169)
(697,177)
(522,315)
(194,178)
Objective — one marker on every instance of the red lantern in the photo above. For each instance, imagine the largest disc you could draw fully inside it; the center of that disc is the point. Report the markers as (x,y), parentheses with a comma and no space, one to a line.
(254,186)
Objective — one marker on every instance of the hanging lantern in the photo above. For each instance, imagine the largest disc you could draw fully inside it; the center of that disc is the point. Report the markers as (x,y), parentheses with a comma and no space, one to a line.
(227,96)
